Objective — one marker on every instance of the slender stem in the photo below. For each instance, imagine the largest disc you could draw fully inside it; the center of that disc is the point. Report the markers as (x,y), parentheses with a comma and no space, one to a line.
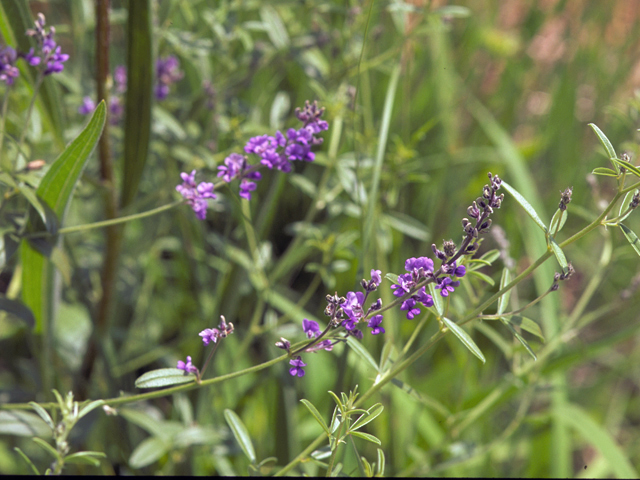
(108,223)
(4,164)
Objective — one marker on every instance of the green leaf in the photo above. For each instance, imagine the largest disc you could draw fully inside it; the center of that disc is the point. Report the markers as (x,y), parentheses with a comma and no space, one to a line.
(148,451)
(527,325)
(27,461)
(87,458)
(241,434)
(164,377)
(55,190)
(520,338)
(316,414)
(438,303)
(19,309)
(557,251)
(606,144)
(596,435)
(392,277)
(631,237)
(366,436)
(503,301)
(558,221)
(43,414)
(409,226)
(89,407)
(628,165)
(372,414)
(381,463)
(47,448)
(604,171)
(362,352)
(464,338)
(137,121)
(524,204)
(24,424)
(624,205)
(482,276)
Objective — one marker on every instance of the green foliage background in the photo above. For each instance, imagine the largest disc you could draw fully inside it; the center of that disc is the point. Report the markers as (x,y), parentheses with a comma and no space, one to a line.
(445,94)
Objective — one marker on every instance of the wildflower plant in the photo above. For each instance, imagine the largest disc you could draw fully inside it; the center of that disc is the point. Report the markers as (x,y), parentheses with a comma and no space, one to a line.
(244,258)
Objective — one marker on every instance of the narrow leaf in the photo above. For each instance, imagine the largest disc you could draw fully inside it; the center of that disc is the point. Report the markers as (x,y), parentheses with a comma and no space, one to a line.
(367,437)
(163,377)
(88,458)
(503,301)
(596,435)
(148,451)
(527,325)
(362,352)
(27,461)
(55,190)
(24,424)
(89,407)
(392,277)
(482,276)
(604,171)
(241,434)
(557,251)
(381,463)
(316,414)
(438,303)
(43,414)
(629,166)
(464,338)
(606,144)
(520,338)
(631,237)
(48,448)
(367,417)
(525,204)
(558,221)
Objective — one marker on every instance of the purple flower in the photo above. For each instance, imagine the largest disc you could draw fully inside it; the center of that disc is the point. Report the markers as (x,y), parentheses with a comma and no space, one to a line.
(8,71)
(209,335)
(298,367)
(246,187)
(167,72)
(196,196)
(120,77)
(374,323)
(410,306)
(31,58)
(424,298)
(233,166)
(404,285)
(116,110)
(88,106)
(187,367)
(352,307)
(310,328)
(459,271)
(446,286)
(375,277)
(50,51)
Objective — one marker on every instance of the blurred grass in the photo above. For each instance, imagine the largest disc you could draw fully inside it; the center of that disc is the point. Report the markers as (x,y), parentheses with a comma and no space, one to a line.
(509,88)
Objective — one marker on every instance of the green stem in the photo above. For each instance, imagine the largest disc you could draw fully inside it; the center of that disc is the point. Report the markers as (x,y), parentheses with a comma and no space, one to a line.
(4,164)
(108,223)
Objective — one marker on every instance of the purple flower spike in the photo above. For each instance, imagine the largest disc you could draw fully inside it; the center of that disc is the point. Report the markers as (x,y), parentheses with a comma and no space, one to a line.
(187,367)
(209,335)
(376,277)
(374,323)
(88,106)
(196,196)
(233,166)
(310,328)
(246,187)
(298,367)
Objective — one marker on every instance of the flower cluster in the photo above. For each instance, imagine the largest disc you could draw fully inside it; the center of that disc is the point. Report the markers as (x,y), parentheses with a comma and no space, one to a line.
(196,195)
(49,54)
(351,307)
(274,151)
(209,335)
(167,72)
(409,288)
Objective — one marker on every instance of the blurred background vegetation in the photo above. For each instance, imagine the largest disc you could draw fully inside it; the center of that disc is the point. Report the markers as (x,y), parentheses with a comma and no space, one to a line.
(507,87)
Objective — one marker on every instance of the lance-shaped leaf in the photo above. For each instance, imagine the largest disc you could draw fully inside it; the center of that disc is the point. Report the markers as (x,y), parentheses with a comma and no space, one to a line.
(464,338)
(607,146)
(316,414)
(241,434)
(557,251)
(524,204)
(520,338)
(558,221)
(607,172)
(503,301)
(55,190)
(163,377)
(628,165)
(631,237)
